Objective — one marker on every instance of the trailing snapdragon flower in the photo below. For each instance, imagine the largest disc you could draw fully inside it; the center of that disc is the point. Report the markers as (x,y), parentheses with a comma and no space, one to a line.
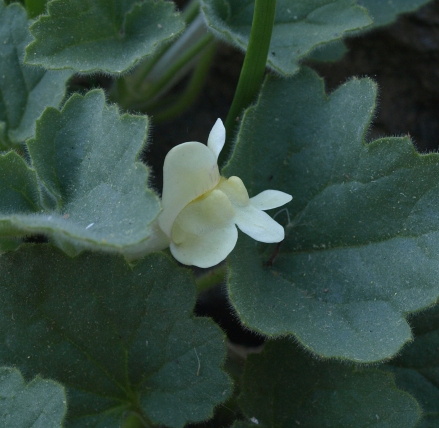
(201,209)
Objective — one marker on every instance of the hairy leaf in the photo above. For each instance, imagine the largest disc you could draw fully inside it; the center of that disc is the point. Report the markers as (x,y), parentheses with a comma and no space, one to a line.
(417,367)
(39,404)
(384,12)
(101,35)
(362,230)
(122,340)
(284,388)
(299,27)
(93,190)
(25,91)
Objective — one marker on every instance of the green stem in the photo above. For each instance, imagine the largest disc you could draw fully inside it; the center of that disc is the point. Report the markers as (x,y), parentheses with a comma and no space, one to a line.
(191,91)
(252,72)
(169,76)
(190,12)
(211,278)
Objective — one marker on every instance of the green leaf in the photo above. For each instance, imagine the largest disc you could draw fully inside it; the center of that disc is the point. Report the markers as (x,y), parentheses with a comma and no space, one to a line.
(120,339)
(25,91)
(417,367)
(39,404)
(92,187)
(362,230)
(299,27)
(35,7)
(384,12)
(283,388)
(101,35)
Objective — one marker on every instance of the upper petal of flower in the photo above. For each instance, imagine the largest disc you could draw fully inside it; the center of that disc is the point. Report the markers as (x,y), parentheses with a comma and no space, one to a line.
(217,138)
(204,232)
(189,171)
(269,199)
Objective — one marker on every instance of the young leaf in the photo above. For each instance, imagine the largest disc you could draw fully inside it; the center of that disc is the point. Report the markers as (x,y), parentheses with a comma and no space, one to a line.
(25,91)
(101,35)
(417,368)
(361,231)
(299,27)
(283,388)
(39,404)
(122,340)
(93,188)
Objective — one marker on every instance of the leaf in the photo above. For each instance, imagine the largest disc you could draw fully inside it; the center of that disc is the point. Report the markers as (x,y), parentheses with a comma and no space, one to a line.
(94,191)
(362,230)
(120,339)
(384,12)
(25,91)
(39,404)
(417,367)
(299,26)
(283,388)
(35,7)
(127,32)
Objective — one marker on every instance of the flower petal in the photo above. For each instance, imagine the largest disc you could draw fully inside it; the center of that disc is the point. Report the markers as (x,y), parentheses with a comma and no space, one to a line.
(258,225)
(217,138)
(190,170)
(269,199)
(204,232)
(234,188)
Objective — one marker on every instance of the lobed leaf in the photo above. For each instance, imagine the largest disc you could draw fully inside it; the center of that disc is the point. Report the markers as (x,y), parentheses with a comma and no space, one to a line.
(93,191)
(25,91)
(416,369)
(39,404)
(101,35)
(383,12)
(283,388)
(122,340)
(362,230)
(299,26)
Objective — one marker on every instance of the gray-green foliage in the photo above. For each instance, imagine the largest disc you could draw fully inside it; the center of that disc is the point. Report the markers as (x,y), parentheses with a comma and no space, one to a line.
(39,404)
(417,367)
(300,26)
(283,387)
(120,339)
(361,230)
(87,188)
(25,91)
(384,12)
(127,31)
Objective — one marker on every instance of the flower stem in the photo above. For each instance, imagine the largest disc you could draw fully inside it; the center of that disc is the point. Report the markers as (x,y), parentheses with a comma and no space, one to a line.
(252,72)
(192,90)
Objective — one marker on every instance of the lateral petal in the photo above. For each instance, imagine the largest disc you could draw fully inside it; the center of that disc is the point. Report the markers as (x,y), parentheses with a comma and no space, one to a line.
(269,199)
(217,138)
(204,232)
(189,171)
(258,225)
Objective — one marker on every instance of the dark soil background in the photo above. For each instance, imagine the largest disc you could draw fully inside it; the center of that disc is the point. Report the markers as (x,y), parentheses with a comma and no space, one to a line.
(402,58)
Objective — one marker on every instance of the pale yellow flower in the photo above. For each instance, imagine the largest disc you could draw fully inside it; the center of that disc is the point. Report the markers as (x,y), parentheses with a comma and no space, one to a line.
(201,209)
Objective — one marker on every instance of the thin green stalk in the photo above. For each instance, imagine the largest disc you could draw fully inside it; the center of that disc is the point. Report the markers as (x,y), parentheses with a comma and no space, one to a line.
(190,12)
(252,72)
(170,74)
(211,278)
(126,87)
(192,90)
